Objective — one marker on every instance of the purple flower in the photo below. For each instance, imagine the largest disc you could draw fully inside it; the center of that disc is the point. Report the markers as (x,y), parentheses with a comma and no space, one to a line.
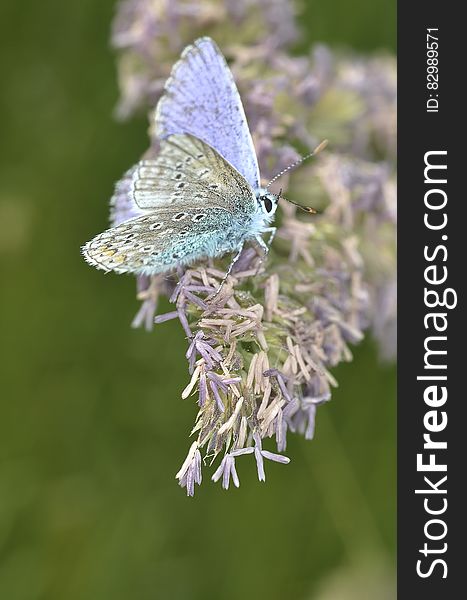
(190,472)
(260,454)
(226,470)
(200,345)
(260,353)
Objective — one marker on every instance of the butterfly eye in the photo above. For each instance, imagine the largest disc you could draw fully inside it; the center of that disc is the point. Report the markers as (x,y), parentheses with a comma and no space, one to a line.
(267,204)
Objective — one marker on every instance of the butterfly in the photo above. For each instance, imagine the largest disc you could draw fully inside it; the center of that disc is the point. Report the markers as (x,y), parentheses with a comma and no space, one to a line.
(201,195)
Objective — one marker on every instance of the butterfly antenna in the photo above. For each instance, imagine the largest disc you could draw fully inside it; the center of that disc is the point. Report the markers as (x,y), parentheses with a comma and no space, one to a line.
(316,151)
(307,209)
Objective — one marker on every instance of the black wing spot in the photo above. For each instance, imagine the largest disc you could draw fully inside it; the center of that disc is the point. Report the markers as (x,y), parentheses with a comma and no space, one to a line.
(198,217)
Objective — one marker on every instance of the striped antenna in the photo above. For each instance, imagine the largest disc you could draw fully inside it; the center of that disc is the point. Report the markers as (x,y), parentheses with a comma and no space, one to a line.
(316,151)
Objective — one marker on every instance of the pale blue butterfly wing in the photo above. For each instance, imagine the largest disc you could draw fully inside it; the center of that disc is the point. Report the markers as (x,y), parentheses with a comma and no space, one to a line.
(160,241)
(122,203)
(190,172)
(201,98)
(205,212)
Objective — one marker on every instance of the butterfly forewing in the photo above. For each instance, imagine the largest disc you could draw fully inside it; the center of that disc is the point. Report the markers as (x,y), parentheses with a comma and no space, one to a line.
(201,98)
(179,224)
(189,172)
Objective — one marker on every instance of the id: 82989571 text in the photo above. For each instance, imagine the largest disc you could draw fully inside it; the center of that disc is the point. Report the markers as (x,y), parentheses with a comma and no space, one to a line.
(432,70)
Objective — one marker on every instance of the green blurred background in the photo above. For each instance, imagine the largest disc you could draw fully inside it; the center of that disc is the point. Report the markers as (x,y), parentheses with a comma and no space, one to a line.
(92,428)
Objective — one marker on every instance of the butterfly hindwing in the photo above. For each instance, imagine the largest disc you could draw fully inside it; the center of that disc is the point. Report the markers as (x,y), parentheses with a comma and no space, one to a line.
(122,203)
(202,99)
(161,240)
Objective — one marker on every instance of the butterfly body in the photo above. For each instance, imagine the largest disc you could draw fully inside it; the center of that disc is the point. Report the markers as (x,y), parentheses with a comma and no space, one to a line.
(200,196)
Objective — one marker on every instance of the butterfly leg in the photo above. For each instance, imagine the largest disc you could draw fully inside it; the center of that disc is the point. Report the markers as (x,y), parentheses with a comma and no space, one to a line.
(265,245)
(229,271)
(272,232)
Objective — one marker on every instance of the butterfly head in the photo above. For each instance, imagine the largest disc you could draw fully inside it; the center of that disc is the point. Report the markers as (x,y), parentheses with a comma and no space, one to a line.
(267,201)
